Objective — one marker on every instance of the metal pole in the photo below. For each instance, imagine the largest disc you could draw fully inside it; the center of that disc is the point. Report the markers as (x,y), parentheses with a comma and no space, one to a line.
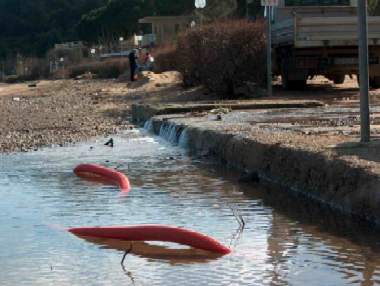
(269,51)
(246,9)
(363,71)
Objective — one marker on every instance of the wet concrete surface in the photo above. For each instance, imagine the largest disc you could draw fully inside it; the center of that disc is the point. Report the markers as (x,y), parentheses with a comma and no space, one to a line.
(333,128)
(315,151)
(327,120)
(329,170)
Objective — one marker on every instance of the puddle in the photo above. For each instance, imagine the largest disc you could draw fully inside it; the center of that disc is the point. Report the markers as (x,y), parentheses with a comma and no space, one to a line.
(39,194)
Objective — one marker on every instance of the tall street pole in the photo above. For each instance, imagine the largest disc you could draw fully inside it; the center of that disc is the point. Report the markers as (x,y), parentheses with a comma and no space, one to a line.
(269,51)
(363,71)
(247,9)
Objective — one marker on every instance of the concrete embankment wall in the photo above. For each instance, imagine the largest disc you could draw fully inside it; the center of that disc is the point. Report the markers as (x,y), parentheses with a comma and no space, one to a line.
(323,178)
(143,112)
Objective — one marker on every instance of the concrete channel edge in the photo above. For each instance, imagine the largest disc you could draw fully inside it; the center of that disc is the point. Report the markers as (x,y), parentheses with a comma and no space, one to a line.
(327,180)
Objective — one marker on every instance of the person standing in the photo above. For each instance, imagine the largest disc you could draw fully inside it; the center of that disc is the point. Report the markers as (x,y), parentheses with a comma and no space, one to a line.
(132,64)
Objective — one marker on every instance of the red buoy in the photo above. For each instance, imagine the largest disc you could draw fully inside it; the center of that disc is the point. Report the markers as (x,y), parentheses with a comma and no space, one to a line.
(154,233)
(93,171)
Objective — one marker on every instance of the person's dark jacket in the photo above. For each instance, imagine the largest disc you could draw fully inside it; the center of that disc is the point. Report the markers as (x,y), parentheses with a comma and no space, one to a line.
(132,60)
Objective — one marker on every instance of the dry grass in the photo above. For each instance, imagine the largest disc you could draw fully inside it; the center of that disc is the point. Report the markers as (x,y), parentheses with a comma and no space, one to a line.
(111,68)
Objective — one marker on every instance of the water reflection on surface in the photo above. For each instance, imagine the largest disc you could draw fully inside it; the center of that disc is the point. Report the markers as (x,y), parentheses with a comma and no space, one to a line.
(152,251)
(284,243)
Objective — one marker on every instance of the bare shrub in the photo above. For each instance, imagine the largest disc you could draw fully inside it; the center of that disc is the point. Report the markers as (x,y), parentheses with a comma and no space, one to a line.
(111,68)
(38,69)
(30,69)
(165,58)
(223,55)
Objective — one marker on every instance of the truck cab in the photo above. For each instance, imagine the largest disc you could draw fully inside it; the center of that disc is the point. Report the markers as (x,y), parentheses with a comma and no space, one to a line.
(312,37)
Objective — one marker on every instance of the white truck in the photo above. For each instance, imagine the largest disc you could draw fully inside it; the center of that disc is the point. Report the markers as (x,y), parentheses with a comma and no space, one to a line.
(312,37)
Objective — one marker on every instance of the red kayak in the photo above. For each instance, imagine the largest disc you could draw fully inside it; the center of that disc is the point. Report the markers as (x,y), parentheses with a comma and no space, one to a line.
(97,172)
(154,233)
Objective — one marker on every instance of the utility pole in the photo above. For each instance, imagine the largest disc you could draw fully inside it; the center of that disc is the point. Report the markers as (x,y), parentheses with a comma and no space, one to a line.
(269,51)
(247,8)
(153,3)
(247,5)
(364,71)
(269,4)
(200,4)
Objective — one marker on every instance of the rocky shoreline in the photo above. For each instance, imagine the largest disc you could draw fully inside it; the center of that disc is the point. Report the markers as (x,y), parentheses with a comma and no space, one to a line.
(56,113)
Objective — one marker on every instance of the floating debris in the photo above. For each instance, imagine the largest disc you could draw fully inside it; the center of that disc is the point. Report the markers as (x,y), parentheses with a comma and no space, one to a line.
(109,143)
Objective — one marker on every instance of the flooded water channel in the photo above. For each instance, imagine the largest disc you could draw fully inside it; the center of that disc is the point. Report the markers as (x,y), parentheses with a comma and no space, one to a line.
(284,243)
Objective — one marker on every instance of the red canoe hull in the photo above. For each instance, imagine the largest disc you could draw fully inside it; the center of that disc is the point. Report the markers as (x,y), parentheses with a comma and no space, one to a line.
(97,172)
(155,233)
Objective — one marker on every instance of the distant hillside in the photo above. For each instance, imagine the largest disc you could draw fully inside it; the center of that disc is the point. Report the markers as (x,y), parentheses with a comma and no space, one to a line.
(31,27)
(120,17)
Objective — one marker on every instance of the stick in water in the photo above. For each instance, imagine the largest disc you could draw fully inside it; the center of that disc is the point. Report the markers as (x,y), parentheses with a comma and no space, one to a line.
(238,217)
(125,255)
(236,236)
(128,273)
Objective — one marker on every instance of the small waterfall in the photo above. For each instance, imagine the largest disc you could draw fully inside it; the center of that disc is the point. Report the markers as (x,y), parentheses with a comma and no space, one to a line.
(148,126)
(175,134)
(170,131)
(183,140)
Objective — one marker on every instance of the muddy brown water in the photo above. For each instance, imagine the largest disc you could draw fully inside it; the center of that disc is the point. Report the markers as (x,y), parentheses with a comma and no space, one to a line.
(285,242)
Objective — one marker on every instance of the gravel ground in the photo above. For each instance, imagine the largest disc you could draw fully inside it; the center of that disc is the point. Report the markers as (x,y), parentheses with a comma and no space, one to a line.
(67,111)
(55,112)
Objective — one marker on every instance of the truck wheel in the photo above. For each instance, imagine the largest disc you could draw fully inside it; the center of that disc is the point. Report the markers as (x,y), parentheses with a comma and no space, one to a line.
(374,82)
(288,84)
(293,84)
(298,84)
(338,79)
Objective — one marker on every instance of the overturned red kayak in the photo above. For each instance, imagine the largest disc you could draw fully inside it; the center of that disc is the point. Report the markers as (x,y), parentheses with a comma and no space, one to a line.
(154,233)
(97,172)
